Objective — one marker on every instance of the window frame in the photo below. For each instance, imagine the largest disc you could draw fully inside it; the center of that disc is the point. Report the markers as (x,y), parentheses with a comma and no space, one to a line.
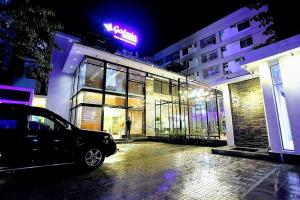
(241,27)
(248,41)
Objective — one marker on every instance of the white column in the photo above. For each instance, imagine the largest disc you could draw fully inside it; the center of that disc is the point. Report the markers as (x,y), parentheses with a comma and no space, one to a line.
(228,115)
(290,70)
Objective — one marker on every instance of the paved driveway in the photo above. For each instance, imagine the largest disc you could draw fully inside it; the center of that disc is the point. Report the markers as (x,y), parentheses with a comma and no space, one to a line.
(149,170)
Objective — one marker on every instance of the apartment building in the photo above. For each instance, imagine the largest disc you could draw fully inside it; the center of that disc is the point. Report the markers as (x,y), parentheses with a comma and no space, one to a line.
(214,53)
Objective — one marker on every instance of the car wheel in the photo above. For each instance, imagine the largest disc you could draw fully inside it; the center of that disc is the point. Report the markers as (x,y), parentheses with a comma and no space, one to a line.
(92,158)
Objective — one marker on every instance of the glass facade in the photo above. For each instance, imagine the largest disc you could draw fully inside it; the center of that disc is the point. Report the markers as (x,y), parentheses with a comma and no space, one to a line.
(104,95)
(193,112)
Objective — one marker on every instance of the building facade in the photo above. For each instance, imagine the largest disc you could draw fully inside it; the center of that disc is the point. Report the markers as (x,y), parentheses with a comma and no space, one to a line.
(98,91)
(214,53)
(277,68)
(260,86)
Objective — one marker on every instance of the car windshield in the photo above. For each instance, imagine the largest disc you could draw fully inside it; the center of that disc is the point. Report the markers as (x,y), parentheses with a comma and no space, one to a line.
(63,122)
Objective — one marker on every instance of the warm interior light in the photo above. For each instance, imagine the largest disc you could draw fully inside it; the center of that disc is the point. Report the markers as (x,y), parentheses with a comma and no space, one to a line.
(39,102)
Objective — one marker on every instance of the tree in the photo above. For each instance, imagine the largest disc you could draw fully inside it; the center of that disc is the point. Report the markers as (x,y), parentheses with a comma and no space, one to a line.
(29,30)
(265,19)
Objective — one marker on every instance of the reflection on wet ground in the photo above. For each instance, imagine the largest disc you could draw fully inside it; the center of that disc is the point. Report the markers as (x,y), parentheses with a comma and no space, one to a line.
(150,170)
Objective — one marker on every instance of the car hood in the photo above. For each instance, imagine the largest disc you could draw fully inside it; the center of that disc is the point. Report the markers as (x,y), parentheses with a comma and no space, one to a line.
(87,133)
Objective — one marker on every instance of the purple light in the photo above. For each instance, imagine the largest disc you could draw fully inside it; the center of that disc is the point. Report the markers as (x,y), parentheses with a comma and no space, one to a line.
(121,33)
(14,88)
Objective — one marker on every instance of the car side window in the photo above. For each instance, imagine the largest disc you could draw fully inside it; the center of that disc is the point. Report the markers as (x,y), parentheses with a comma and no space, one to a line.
(40,123)
(8,121)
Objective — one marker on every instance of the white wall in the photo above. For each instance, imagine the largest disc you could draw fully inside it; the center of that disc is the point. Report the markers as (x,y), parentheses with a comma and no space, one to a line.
(290,71)
(60,83)
(59,92)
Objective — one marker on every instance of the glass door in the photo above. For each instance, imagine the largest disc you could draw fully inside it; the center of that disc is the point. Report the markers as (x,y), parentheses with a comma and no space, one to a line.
(137,121)
(114,122)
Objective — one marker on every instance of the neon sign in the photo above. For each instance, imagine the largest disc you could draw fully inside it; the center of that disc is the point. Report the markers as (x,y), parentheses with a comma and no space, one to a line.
(121,33)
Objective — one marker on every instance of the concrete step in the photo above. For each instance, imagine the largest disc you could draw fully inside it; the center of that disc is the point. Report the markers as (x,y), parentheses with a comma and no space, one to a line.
(255,153)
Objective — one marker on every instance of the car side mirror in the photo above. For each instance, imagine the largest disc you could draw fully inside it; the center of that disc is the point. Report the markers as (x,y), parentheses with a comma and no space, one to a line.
(69,128)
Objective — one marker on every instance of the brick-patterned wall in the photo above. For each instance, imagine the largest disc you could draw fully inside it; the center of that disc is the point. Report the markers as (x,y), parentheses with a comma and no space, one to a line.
(249,123)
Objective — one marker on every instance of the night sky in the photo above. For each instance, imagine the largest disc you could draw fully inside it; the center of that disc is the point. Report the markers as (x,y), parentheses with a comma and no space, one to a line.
(160,23)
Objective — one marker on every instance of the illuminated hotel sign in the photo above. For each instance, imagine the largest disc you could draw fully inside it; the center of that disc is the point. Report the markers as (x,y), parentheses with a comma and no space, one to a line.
(121,33)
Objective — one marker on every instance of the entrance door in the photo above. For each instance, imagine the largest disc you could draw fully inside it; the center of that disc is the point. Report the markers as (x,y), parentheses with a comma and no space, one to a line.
(114,122)
(137,122)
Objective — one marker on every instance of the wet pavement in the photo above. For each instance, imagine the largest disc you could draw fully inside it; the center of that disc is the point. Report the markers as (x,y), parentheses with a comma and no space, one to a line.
(149,170)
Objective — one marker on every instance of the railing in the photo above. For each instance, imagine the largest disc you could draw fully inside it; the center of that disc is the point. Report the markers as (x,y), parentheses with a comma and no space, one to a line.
(214,73)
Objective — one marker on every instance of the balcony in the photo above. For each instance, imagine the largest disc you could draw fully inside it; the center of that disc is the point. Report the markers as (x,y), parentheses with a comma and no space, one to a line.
(209,56)
(211,72)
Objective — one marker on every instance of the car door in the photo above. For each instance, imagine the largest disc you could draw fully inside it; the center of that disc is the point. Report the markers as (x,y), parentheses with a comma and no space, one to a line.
(13,148)
(62,140)
(50,140)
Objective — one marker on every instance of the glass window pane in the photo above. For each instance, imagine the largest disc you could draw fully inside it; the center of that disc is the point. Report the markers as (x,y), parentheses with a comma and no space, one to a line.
(94,62)
(175,90)
(88,118)
(114,100)
(73,116)
(137,78)
(137,75)
(136,72)
(39,123)
(208,41)
(89,97)
(165,123)
(285,128)
(116,67)
(8,119)
(165,88)
(135,88)
(91,76)
(157,86)
(136,103)
(75,82)
(115,81)
(243,25)
(74,101)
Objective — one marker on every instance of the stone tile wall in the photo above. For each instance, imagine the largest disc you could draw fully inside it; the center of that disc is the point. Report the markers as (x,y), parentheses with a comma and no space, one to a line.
(248,118)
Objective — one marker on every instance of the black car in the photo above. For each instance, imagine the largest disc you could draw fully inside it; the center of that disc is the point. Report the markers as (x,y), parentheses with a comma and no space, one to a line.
(35,137)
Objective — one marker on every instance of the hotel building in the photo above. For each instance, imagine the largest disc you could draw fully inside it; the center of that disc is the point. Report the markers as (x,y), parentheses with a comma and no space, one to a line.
(214,53)
(97,90)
